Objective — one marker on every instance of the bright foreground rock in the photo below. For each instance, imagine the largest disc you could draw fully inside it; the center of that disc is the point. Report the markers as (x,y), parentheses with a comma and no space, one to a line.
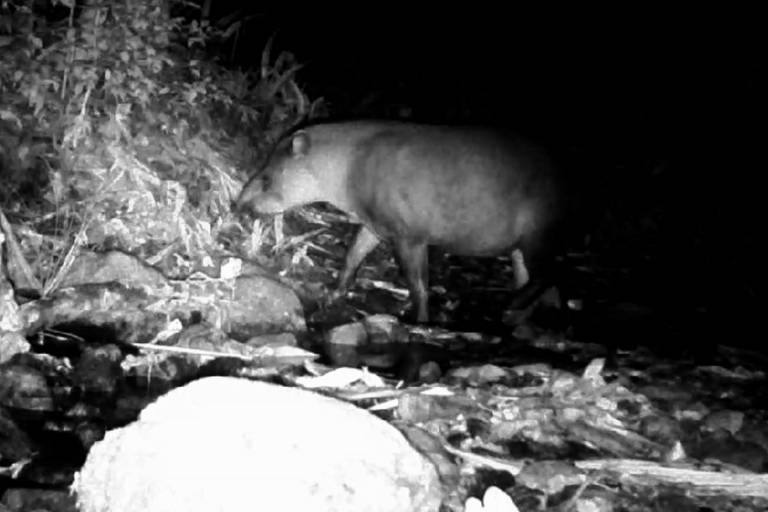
(226,444)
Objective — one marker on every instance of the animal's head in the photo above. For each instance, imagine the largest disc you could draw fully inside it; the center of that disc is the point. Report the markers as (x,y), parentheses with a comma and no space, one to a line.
(288,180)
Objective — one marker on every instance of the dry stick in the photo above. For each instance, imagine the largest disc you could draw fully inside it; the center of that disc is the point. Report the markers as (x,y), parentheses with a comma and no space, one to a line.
(192,351)
(698,481)
(510,466)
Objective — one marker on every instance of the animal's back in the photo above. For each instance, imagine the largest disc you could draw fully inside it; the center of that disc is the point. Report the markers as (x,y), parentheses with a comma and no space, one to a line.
(469,190)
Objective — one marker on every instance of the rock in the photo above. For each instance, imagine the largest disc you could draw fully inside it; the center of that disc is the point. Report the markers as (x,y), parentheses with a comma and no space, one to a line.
(352,334)
(38,500)
(22,387)
(377,341)
(12,343)
(261,305)
(385,329)
(730,421)
(15,444)
(223,444)
(284,339)
(97,371)
(343,343)
(112,266)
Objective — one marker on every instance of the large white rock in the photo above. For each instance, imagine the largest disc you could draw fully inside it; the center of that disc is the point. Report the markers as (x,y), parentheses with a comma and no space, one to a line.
(227,444)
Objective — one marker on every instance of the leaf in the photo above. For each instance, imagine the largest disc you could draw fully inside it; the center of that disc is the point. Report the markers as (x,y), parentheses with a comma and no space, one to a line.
(38,100)
(7,115)
(22,152)
(57,187)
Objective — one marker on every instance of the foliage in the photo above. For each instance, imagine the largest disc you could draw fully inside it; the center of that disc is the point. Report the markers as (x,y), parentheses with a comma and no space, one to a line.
(103,104)
(121,66)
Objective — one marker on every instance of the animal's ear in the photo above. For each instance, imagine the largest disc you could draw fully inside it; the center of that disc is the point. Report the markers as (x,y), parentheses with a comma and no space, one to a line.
(300,144)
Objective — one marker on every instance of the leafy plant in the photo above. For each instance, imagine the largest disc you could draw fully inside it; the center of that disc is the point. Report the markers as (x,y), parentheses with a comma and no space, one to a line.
(106,102)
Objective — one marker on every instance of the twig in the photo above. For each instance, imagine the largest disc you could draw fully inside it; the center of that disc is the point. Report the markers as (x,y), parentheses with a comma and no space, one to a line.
(698,481)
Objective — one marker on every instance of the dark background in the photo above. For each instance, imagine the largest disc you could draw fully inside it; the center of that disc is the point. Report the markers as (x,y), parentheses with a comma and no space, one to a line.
(644,81)
(667,111)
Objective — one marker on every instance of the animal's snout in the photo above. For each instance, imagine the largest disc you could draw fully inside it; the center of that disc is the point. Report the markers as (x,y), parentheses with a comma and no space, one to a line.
(243,209)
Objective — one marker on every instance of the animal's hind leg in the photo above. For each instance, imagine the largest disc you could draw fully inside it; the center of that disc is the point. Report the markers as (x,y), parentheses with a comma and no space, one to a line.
(533,276)
(413,258)
(519,269)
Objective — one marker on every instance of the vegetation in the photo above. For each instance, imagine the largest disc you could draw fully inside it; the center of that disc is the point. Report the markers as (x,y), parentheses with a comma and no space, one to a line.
(120,129)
